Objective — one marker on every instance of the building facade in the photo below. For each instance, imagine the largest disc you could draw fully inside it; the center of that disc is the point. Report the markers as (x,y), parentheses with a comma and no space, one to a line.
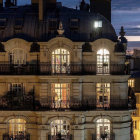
(133,83)
(62,75)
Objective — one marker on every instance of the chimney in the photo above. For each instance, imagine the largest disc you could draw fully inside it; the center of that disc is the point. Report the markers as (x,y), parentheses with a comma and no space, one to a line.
(34,2)
(102,7)
(44,5)
(1,3)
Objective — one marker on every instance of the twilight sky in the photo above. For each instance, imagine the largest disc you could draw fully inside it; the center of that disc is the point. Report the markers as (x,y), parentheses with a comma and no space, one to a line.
(124,13)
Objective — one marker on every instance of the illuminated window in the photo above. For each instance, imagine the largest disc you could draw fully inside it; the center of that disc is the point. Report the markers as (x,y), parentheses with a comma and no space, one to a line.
(60,61)
(60,127)
(103,95)
(103,129)
(18,57)
(17,127)
(98,24)
(103,61)
(131,83)
(60,95)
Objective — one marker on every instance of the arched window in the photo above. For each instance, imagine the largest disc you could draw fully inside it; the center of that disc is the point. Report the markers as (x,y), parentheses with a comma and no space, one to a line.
(60,129)
(17,127)
(60,61)
(18,57)
(103,61)
(103,129)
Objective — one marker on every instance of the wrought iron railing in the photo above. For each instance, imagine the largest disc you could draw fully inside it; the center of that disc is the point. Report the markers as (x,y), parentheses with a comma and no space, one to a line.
(23,101)
(16,137)
(60,137)
(17,101)
(113,104)
(104,137)
(48,69)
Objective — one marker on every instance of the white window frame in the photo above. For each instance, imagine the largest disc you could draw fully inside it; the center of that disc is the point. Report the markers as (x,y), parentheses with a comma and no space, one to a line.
(98,24)
(60,61)
(103,92)
(59,100)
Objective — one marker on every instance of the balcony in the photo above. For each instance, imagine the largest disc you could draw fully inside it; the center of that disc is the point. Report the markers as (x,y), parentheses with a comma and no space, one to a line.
(72,69)
(60,137)
(16,137)
(26,101)
(104,137)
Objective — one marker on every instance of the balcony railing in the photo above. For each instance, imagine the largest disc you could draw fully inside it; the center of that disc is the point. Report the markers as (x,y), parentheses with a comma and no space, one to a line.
(108,137)
(113,104)
(60,137)
(48,69)
(16,137)
(22,101)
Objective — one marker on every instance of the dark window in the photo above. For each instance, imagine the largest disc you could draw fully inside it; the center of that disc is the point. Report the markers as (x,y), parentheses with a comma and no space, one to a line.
(74,24)
(3,22)
(18,23)
(52,24)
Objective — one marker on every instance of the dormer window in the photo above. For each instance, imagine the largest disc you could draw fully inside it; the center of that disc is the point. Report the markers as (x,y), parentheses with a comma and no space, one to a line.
(74,23)
(98,24)
(52,24)
(18,23)
(3,22)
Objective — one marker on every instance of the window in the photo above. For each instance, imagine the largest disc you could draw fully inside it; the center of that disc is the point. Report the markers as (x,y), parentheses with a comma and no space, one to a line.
(52,24)
(18,57)
(16,88)
(17,127)
(60,95)
(60,127)
(18,23)
(74,23)
(103,95)
(103,129)
(3,22)
(131,83)
(103,62)
(98,24)
(60,61)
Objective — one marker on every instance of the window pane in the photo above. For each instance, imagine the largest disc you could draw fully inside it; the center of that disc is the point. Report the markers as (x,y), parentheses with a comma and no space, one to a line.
(17,126)
(103,95)
(60,61)
(60,95)
(103,61)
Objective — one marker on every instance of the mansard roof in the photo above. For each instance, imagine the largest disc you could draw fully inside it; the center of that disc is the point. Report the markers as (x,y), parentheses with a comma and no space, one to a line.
(23,22)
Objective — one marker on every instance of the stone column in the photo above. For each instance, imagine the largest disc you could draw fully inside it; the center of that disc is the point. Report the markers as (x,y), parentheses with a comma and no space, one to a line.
(79,133)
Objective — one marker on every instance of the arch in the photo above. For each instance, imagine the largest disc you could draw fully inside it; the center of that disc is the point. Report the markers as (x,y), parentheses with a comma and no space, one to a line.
(102,116)
(18,56)
(103,51)
(57,43)
(60,60)
(60,40)
(103,128)
(17,43)
(6,119)
(16,126)
(60,128)
(59,117)
(103,125)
